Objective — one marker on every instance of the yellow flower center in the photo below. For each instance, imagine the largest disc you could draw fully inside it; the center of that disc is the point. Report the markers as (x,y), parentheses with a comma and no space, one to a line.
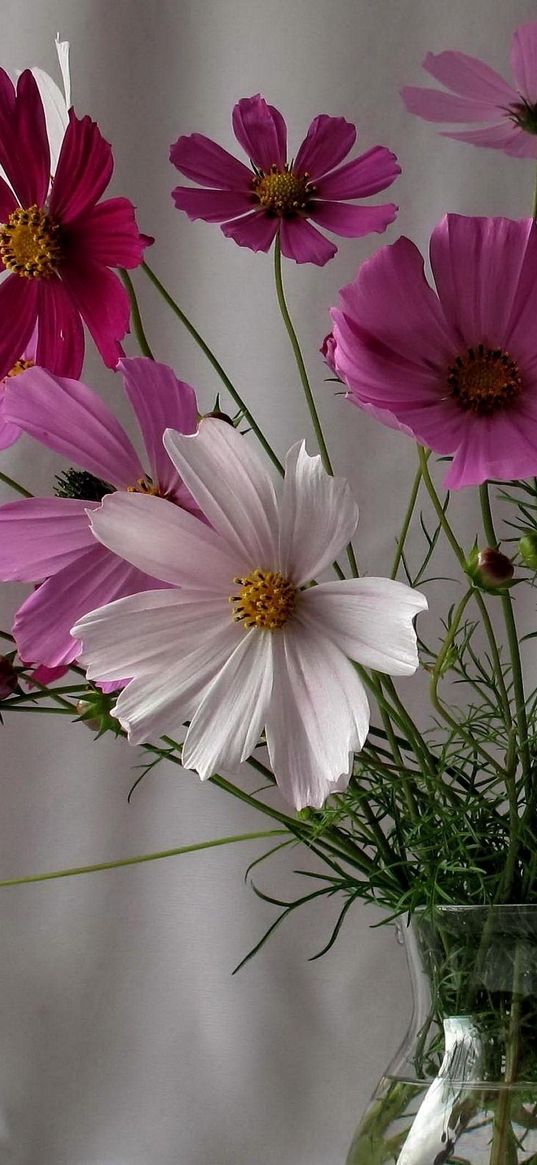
(29,243)
(485,380)
(144,485)
(21,366)
(282,192)
(266,600)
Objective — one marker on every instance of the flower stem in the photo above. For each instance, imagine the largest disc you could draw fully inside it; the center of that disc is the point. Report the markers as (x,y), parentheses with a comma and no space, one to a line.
(136,316)
(407,520)
(15,485)
(216,365)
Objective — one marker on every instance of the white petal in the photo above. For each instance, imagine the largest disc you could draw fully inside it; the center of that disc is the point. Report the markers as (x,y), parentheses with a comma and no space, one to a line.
(228,723)
(142,633)
(56,115)
(318,516)
(231,486)
(370,619)
(317,718)
(165,541)
(62,49)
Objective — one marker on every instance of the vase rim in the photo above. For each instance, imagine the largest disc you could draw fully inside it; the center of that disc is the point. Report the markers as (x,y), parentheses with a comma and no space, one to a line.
(494,907)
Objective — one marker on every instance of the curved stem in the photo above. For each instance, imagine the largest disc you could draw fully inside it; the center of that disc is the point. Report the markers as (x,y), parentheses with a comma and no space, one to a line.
(10,481)
(407,520)
(248,416)
(136,317)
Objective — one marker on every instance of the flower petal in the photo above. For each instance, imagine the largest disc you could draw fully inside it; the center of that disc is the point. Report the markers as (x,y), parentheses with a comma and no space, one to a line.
(261,131)
(42,625)
(317,718)
(9,433)
(524,60)
(106,234)
(364,176)
(103,304)
(204,161)
(502,447)
(24,152)
(69,418)
(256,231)
(60,343)
(232,488)
(160,401)
(84,169)
(228,723)
(369,619)
(506,136)
(212,205)
(435,105)
(318,516)
(353,221)
(18,315)
(470,77)
(8,202)
(56,113)
(327,142)
(40,536)
(304,243)
(165,541)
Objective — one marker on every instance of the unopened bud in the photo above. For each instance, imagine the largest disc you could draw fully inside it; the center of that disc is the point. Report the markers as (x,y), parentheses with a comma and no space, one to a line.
(490,569)
(527,549)
(328,352)
(8,677)
(94,710)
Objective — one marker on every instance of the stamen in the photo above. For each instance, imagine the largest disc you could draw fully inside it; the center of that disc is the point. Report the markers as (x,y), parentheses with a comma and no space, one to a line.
(283,192)
(78,483)
(29,243)
(484,380)
(524,115)
(145,485)
(266,600)
(20,366)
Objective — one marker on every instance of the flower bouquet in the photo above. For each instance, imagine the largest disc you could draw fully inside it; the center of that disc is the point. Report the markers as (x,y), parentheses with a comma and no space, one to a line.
(202,599)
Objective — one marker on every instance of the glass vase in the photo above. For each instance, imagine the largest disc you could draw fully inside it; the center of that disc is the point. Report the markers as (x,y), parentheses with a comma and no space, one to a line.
(462,1089)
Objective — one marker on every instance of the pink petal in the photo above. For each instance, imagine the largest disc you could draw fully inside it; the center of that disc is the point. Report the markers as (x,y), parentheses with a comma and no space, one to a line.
(470,77)
(435,105)
(160,538)
(84,169)
(24,151)
(327,142)
(524,60)
(103,304)
(302,242)
(9,433)
(160,401)
(231,486)
(318,516)
(261,131)
(204,161)
(231,716)
(8,202)
(71,419)
(40,536)
(42,625)
(46,675)
(60,343)
(212,205)
(502,447)
(353,221)
(369,619)
(317,718)
(18,315)
(507,137)
(472,258)
(106,234)
(364,176)
(256,231)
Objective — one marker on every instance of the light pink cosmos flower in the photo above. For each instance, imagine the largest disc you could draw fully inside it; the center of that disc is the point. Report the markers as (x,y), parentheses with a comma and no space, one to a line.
(456,367)
(9,433)
(480,95)
(246,643)
(50,538)
(280,197)
(57,241)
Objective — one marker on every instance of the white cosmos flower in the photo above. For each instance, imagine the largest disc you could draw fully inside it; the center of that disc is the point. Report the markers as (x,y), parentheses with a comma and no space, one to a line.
(245,643)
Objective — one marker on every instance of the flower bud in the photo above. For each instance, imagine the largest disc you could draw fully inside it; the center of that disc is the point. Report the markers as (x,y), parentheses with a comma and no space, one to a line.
(220,416)
(490,569)
(8,677)
(328,352)
(94,710)
(527,549)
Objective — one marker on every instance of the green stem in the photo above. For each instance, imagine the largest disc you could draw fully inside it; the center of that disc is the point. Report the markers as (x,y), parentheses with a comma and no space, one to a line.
(136,861)
(15,485)
(514,649)
(215,364)
(136,316)
(407,520)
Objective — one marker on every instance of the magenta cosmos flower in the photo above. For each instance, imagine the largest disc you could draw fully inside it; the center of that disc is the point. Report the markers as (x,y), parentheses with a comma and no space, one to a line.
(57,241)
(480,95)
(50,538)
(243,642)
(456,367)
(277,197)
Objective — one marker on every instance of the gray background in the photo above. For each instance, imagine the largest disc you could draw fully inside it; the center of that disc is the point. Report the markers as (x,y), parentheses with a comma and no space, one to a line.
(124,1039)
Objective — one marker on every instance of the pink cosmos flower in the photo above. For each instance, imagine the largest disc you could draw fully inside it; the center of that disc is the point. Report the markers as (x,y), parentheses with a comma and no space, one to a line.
(456,367)
(280,197)
(246,643)
(50,538)
(57,241)
(480,95)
